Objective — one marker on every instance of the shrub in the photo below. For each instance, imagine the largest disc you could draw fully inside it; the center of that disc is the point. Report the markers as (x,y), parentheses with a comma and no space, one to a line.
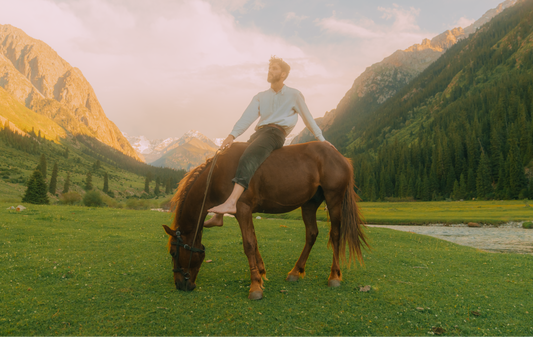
(138,203)
(109,202)
(165,204)
(527,225)
(93,199)
(70,198)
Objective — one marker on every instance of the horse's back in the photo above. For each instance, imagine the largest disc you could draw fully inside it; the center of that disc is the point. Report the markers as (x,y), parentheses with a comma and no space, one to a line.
(292,175)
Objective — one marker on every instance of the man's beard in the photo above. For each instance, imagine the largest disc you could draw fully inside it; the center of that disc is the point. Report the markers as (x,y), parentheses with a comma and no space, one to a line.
(271,78)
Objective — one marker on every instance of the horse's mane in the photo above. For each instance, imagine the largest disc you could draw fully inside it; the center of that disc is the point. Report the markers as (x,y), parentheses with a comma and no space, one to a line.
(183,189)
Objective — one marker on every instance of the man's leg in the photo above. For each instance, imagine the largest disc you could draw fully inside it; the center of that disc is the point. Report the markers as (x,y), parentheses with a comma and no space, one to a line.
(230,206)
(266,141)
(216,221)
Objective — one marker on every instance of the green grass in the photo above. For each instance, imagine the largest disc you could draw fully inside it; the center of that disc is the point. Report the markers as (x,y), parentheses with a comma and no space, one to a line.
(82,271)
(420,213)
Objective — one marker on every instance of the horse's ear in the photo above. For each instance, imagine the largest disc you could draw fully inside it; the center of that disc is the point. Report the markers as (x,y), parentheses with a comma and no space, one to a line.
(169,231)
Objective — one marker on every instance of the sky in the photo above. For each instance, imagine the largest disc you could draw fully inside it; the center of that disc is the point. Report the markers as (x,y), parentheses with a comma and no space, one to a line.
(162,67)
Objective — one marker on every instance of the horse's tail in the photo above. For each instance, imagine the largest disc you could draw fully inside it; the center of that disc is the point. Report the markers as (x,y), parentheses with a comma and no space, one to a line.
(352,223)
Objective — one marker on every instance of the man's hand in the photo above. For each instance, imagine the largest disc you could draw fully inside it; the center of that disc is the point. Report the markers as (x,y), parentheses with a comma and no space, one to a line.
(227,142)
(333,146)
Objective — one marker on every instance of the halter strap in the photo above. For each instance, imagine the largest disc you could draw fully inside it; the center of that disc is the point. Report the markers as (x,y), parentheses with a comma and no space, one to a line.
(180,243)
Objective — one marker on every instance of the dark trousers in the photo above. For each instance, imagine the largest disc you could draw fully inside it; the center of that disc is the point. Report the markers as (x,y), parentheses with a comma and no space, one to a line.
(262,143)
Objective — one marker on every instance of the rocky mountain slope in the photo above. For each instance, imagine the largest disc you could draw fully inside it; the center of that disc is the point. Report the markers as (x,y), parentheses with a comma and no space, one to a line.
(190,150)
(382,80)
(35,75)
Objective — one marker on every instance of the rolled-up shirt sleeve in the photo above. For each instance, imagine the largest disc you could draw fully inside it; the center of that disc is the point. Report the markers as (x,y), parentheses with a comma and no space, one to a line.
(250,115)
(302,110)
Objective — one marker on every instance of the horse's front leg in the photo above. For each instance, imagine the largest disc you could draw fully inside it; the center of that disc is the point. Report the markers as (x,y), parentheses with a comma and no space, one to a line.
(311,232)
(249,242)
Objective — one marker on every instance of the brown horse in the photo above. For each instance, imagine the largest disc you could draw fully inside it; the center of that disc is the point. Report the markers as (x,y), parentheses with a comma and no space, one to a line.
(294,176)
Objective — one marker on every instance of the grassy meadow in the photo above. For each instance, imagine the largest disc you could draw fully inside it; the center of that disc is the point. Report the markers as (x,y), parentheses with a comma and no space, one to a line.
(420,213)
(69,270)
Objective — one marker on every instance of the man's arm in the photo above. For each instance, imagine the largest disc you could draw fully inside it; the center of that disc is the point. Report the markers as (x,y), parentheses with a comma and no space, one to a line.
(249,116)
(302,110)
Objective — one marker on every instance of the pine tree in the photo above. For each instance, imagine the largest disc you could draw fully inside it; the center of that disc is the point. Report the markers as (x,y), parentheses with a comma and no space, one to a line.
(463,188)
(97,165)
(483,180)
(106,183)
(37,192)
(89,181)
(157,183)
(42,165)
(167,187)
(471,183)
(147,184)
(66,153)
(53,180)
(456,191)
(516,170)
(66,186)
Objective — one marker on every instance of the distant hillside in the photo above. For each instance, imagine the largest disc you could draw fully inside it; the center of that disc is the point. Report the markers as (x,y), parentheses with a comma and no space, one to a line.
(37,77)
(462,128)
(20,154)
(383,80)
(191,150)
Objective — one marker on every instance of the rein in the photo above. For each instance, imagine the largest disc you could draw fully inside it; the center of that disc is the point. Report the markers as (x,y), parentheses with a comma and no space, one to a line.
(180,243)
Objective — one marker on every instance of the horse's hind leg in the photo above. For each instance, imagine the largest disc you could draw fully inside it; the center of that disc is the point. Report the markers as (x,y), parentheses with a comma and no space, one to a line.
(249,242)
(335,208)
(311,232)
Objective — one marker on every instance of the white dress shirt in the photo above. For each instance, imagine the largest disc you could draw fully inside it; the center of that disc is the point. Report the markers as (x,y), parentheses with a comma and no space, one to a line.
(281,108)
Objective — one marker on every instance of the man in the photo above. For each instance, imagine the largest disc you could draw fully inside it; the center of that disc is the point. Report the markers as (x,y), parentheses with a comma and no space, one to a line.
(277,109)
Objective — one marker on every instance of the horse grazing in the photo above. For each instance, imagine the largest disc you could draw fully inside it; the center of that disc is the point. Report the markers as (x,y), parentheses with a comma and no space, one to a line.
(294,176)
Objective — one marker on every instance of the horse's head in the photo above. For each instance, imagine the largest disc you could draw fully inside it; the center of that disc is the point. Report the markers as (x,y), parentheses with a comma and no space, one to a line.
(186,258)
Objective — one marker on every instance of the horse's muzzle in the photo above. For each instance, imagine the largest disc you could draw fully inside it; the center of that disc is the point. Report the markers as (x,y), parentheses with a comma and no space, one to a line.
(185,285)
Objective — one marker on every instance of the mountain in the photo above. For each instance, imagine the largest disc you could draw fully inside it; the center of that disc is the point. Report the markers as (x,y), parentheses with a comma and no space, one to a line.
(383,80)
(190,150)
(463,128)
(33,74)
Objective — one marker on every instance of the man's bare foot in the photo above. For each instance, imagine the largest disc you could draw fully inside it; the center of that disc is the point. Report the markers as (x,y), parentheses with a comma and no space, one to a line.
(216,220)
(225,208)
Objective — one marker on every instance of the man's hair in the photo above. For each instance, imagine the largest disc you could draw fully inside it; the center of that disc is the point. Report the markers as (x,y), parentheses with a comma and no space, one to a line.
(282,64)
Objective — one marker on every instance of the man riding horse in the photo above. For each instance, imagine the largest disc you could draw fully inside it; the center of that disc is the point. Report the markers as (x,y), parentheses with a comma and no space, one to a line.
(277,109)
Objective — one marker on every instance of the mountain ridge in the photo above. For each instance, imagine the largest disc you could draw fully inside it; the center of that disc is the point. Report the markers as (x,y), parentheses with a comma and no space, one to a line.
(35,75)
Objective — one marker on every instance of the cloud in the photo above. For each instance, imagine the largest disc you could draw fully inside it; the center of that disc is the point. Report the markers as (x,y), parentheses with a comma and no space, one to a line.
(404,19)
(464,22)
(345,27)
(291,16)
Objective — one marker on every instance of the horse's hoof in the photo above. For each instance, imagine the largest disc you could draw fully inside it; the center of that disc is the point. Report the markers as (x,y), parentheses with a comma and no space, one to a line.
(255,295)
(292,278)
(334,283)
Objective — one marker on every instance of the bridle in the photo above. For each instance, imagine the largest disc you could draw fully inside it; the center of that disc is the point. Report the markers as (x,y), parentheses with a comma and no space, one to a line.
(179,241)
(176,255)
